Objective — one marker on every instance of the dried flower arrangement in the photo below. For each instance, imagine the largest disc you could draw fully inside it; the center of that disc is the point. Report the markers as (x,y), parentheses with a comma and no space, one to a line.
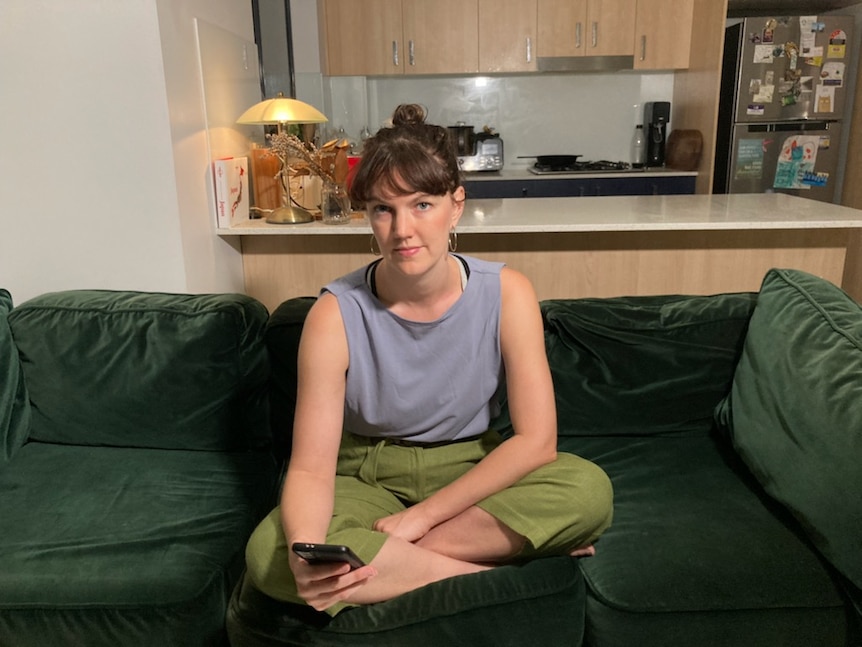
(304,158)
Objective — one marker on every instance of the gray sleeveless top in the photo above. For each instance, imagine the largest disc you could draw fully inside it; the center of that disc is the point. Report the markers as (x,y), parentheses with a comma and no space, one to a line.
(422,381)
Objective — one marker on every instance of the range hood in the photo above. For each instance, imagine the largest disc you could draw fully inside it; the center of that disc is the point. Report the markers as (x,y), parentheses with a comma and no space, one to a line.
(585,63)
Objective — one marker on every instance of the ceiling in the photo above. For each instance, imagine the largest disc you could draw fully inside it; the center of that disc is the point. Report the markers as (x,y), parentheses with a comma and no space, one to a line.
(739,8)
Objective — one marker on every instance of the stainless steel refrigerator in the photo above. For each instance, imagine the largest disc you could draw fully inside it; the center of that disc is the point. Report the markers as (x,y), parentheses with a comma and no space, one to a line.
(782,106)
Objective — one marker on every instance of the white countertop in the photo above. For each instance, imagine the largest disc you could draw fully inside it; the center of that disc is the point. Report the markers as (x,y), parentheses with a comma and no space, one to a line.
(612,213)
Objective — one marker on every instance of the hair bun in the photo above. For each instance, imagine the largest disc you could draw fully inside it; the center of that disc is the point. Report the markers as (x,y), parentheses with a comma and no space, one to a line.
(409,114)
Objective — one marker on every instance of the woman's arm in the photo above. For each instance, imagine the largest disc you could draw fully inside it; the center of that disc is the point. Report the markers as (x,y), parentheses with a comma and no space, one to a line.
(309,489)
(532,409)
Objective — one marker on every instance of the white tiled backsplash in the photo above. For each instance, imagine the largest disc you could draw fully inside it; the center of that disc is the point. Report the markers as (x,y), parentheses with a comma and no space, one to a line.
(592,115)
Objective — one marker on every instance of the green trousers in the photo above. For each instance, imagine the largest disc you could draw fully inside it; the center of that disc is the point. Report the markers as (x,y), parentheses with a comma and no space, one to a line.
(558,507)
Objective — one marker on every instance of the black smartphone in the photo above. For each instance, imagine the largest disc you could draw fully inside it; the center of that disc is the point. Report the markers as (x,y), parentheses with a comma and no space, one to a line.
(327,554)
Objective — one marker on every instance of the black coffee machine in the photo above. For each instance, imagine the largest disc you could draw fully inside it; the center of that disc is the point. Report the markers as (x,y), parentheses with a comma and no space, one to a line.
(656,117)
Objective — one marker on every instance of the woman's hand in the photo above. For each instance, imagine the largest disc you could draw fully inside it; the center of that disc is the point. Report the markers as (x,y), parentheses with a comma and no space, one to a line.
(323,585)
(410,524)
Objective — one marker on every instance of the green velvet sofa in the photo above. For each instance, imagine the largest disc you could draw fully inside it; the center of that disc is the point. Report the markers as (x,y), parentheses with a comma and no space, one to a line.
(135,460)
(731,427)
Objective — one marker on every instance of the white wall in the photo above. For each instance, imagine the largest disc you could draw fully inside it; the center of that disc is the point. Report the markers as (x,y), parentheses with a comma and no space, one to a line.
(103,165)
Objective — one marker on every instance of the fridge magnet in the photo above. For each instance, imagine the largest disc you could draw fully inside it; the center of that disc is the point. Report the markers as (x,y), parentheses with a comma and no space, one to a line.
(791,50)
(824,98)
(755,109)
(832,74)
(769,77)
(768,36)
(806,84)
(763,54)
(825,142)
(837,44)
(754,86)
(797,157)
(815,179)
(749,160)
(814,57)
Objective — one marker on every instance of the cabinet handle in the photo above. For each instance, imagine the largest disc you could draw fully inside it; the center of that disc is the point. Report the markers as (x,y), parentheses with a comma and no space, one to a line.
(643,47)
(529,50)
(595,31)
(412,52)
(578,30)
(395,53)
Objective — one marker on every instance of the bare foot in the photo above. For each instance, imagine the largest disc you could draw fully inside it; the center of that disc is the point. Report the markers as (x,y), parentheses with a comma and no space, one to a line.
(584,551)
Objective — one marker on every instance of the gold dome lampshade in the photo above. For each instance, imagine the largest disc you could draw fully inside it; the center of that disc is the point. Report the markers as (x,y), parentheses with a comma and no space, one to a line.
(280,111)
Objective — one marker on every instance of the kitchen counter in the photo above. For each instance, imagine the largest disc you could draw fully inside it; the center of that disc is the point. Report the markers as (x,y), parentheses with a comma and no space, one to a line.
(523,173)
(608,214)
(599,247)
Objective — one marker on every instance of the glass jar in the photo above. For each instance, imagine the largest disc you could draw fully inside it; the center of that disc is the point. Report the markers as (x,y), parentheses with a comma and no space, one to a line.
(334,204)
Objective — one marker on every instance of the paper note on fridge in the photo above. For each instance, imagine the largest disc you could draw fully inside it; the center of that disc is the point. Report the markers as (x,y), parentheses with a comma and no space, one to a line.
(824,98)
(796,159)
(832,74)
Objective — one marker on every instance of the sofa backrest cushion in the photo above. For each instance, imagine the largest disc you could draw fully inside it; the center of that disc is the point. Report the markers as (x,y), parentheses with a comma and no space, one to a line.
(282,339)
(649,365)
(136,369)
(795,409)
(14,406)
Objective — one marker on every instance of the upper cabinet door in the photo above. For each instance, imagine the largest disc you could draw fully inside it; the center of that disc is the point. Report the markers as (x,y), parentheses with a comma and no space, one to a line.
(507,35)
(610,27)
(441,36)
(362,38)
(586,27)
(663,34)
(562,26)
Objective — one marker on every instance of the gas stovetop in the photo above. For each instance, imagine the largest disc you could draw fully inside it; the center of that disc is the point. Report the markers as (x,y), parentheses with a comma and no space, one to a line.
(599,166)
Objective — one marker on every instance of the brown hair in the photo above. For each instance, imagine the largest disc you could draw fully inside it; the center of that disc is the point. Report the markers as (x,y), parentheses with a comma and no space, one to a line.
(407,157)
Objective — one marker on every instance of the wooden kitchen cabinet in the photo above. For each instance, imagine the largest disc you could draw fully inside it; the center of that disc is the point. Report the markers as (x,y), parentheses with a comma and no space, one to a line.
(586,28)
(392,37)
(441,36)
(507,35)
(361,38)
(663,34)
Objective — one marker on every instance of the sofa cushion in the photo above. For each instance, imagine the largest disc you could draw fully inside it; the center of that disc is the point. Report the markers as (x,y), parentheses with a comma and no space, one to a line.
(643,365)
(539,603)
(109,546)
(14,406)
(697,555)
(795,409)
(283,331)
(133,369)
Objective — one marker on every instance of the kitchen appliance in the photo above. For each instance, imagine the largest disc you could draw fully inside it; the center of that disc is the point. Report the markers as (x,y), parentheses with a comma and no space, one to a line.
(476,151)
(782,105)
(656,118)
(568,164)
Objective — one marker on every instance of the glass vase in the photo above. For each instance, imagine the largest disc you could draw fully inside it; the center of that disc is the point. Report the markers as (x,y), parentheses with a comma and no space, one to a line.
(334,204)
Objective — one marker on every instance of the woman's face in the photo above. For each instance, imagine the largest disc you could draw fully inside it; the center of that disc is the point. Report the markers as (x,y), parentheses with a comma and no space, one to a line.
(413,229)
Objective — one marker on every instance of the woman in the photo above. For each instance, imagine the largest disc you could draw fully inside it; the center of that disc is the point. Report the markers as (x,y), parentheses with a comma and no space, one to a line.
(400,367)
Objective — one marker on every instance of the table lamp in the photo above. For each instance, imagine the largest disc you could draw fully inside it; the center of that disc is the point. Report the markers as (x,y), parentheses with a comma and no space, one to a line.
(281,111)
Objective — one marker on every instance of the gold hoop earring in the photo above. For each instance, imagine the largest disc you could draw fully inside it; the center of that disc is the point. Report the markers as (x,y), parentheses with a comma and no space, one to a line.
(453,241)
(375,252)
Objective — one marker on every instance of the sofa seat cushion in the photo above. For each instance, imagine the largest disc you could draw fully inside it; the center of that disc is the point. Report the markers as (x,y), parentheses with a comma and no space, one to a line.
(795,409)
(697,555)
(647,365)
(124,546)
(135,369)
(539,603)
